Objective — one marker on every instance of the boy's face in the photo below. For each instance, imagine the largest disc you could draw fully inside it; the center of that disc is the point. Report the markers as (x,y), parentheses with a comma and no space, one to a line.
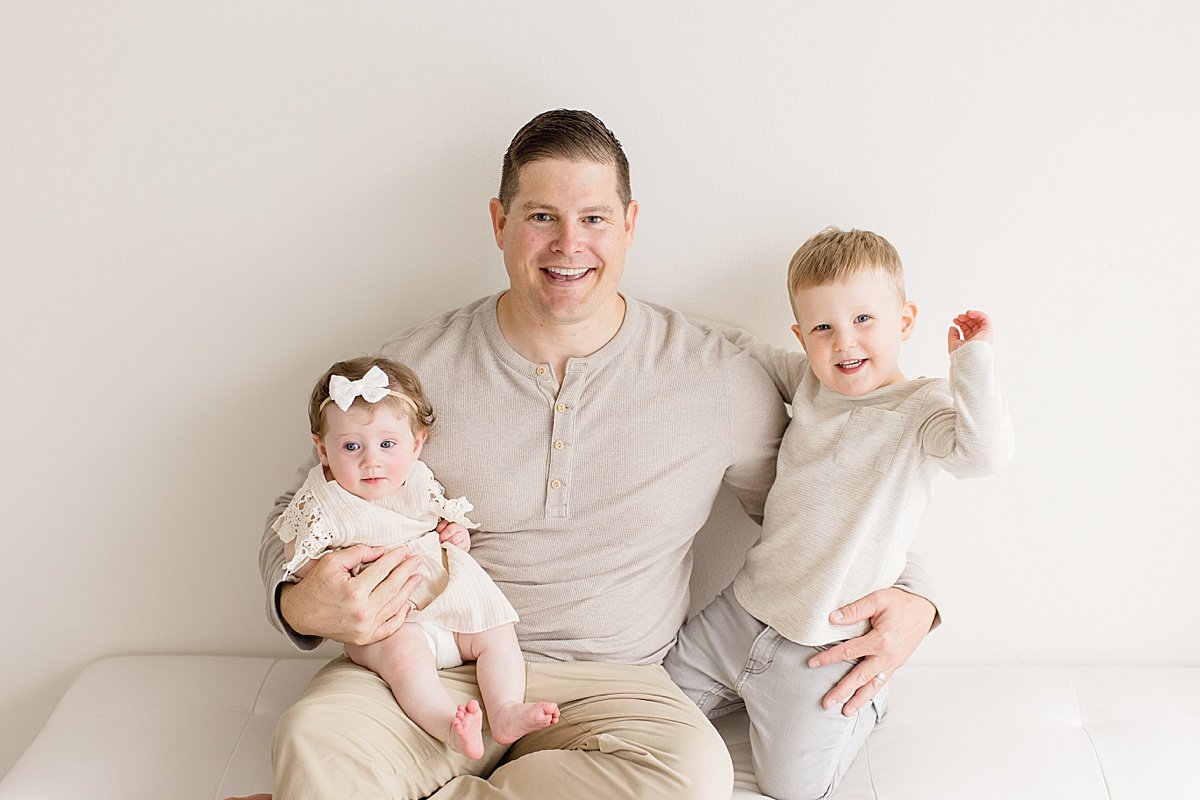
(369,452)
(852,330)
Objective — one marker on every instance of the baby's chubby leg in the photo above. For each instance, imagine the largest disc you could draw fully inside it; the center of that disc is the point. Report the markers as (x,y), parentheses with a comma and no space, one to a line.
(500,670)
(405,661)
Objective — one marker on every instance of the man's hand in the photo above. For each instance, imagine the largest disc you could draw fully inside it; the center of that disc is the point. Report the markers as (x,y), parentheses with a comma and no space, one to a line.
(972,326)
(454,533)
(899,621)
(334,603)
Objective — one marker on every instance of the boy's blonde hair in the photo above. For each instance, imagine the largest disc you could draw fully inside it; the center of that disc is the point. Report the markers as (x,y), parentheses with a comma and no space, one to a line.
(400,379)
(835,255)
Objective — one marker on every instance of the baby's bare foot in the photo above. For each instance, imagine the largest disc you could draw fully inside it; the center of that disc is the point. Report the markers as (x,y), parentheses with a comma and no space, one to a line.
(466,731)
(511,721)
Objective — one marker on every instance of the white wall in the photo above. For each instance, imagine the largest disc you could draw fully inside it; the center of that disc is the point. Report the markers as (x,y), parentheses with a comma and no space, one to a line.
(202,205)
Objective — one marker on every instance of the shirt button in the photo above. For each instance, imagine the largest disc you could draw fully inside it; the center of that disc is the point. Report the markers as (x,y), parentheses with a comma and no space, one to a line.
(560,444)
(555,484)
(541,371)
(561,407)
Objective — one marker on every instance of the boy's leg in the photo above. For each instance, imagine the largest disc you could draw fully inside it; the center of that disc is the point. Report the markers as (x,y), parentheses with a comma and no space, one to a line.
(726,656)
(347,737)
(708,662)
(500,670)
(801,750)
(405,662)
(623,732)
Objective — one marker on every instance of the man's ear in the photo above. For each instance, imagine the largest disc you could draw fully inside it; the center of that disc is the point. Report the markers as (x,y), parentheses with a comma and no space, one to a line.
(320,445)
(631,215)
(496,210)
(799,337)
(908,319)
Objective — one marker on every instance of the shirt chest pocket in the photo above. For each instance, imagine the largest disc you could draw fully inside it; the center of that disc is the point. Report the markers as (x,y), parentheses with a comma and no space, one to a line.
(870,439)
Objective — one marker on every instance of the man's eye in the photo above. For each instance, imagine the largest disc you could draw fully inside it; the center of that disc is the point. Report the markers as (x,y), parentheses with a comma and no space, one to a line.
(350,447)
(593,219)
(541,216)
(863,318)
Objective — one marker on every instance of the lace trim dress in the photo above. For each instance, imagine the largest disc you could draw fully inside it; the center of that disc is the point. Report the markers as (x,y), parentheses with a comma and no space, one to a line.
(456,593)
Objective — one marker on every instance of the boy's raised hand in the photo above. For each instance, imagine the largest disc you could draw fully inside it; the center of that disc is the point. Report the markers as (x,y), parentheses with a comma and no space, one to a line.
(972,326)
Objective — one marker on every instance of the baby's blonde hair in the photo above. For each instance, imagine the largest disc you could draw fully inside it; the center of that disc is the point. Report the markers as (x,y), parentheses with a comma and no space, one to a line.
(400,379)
(835,255)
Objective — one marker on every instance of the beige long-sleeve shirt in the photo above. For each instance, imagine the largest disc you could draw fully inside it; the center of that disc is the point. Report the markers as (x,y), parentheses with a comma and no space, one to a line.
(854,476)
(589,495)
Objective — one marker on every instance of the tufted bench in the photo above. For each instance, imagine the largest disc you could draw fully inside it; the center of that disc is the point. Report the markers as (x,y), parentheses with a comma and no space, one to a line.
(200,727)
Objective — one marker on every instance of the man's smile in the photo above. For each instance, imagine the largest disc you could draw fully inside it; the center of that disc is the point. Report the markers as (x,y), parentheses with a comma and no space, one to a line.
(565,274)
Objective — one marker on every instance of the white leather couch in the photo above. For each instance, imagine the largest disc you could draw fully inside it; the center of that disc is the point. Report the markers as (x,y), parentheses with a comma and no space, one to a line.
(200,727)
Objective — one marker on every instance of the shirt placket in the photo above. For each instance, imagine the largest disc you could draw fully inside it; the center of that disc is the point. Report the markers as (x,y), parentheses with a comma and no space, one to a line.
(561,442)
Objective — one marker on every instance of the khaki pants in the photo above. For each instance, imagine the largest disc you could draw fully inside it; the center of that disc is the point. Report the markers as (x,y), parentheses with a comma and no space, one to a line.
(624,732)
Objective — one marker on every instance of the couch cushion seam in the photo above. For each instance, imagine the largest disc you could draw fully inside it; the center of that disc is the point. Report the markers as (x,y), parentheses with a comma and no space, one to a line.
(251,714)
(1087,733)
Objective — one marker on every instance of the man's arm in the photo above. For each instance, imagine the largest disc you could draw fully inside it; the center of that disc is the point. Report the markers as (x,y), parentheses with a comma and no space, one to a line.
(899,622)
(334,603)
(785,368)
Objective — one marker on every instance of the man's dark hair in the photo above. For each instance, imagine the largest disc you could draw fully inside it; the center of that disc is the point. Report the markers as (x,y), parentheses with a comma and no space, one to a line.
(565,134)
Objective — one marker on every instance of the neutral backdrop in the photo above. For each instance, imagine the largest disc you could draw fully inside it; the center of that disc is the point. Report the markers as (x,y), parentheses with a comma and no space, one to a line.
(203,205)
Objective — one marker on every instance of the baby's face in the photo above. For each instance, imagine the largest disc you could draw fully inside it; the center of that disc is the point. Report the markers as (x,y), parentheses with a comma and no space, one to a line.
(369,451)
(852,330)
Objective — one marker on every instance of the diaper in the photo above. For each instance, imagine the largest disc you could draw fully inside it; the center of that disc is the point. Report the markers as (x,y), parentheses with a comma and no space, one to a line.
(441,642)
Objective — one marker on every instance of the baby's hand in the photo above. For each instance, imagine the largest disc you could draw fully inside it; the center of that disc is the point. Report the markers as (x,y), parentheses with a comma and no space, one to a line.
(973,326)
(454,533)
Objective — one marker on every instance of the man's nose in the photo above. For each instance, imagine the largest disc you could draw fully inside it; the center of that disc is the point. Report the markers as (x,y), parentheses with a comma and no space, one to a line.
(568,237)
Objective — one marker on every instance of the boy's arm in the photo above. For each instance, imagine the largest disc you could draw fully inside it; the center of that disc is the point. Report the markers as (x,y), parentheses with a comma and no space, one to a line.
(784,367)
(972,433)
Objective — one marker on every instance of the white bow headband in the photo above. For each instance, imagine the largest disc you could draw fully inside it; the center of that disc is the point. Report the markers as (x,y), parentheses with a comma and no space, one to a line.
(371,387)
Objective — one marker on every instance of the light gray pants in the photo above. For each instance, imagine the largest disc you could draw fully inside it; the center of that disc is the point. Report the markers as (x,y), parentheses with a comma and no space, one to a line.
(727,659)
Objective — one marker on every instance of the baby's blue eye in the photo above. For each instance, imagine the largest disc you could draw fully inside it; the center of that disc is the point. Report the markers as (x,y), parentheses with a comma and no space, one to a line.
(387,443)
(350,447)
(822,327)
(862,318)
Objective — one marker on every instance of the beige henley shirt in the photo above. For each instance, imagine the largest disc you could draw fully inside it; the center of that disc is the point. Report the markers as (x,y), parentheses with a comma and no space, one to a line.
(588,495)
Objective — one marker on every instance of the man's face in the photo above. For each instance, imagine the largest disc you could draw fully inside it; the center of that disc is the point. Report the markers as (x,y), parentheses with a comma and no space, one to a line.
(564,239)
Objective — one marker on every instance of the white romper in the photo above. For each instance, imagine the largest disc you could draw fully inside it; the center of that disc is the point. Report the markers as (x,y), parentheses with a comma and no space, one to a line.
(456,595)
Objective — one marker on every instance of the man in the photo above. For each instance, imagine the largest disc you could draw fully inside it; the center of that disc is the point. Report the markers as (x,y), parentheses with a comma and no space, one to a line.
(592,432)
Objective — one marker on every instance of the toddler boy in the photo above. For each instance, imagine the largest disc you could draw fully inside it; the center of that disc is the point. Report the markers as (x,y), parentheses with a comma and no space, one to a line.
(854,475)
